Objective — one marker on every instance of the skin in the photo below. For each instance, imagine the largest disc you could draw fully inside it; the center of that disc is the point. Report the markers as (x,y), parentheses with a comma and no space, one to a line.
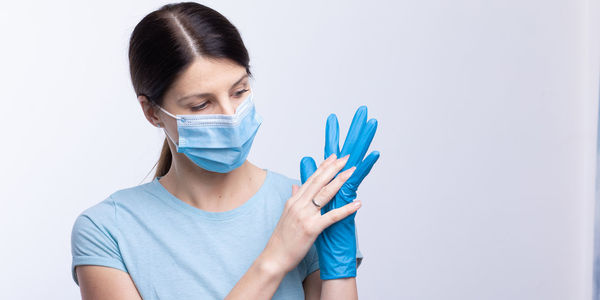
(299,225)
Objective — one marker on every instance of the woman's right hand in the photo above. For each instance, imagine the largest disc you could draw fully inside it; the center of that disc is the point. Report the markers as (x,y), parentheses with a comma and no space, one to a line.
(301,221)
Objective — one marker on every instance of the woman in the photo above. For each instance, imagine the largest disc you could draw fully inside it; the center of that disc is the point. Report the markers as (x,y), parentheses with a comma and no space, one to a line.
(211,225)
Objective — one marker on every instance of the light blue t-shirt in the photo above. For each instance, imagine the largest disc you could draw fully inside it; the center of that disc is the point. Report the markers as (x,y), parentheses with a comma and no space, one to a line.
(173,250)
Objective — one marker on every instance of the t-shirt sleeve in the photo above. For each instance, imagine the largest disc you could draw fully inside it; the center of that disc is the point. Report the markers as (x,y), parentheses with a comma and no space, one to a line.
(92,242)
(359,255)
(310,262)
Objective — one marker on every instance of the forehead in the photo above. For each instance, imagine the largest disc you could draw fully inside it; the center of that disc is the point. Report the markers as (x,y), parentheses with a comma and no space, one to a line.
(207,76)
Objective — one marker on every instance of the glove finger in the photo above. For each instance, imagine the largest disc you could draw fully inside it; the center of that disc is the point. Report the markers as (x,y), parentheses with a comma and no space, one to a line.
(362,145)
(362,169)
(307,168)
(332,136)
(358,121)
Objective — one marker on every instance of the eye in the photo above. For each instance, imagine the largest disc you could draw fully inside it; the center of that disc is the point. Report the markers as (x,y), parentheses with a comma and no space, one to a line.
(199,107)
(240,92)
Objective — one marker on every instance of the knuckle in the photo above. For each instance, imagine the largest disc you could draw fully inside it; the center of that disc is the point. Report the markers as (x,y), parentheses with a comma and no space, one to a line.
(319,178)
(307,228)
(341,179)
(288,203)
(327,190)
(317,171)
(334,217)
(349,172)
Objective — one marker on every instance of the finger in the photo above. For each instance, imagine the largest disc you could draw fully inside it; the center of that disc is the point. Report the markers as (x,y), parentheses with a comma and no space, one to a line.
(332,136)
(338,214)
(306,160)
(328,192)
(329,159)
(295,188)
(362,144)
(359,119)
(362,170)
(321,177)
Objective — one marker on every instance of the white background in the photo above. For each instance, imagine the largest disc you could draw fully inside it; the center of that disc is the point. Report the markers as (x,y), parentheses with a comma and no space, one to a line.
(487,117)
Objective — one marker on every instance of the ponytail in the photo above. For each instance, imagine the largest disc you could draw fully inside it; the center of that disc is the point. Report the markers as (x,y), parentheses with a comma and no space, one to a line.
(164,161)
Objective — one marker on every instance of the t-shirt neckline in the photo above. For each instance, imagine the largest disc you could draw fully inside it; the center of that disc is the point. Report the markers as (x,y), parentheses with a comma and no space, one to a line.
(162,193)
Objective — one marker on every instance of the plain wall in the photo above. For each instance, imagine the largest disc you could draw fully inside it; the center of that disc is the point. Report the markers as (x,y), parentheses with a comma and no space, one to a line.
(487,117)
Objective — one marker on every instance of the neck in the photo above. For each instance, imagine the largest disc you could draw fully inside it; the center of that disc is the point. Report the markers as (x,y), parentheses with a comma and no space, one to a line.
(211,191)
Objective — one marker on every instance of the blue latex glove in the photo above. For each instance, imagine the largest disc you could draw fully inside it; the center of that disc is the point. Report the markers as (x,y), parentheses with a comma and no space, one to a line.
(336,245)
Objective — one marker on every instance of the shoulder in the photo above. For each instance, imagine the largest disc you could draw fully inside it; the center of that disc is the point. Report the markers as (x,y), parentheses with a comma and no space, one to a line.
(102,212)
(106,210)
(102,217)
(282,183)
(283,179)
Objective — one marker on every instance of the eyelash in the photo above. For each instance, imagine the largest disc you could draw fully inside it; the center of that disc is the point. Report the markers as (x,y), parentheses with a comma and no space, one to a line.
(203,105)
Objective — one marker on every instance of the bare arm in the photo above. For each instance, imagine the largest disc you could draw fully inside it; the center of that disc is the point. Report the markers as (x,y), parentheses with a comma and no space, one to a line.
(317,289)
(99,282)
(343,288)
(312,286)
(260,281)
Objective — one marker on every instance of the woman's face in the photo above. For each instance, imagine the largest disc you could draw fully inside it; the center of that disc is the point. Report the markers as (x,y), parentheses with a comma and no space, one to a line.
(207,86)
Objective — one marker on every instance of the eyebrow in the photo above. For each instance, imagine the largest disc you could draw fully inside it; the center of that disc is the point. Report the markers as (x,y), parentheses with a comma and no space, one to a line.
(207,94)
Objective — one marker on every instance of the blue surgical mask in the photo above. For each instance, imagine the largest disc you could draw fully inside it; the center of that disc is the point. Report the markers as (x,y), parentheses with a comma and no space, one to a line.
(216,142)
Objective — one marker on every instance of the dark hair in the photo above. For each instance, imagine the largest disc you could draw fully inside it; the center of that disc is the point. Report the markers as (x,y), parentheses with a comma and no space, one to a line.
(167,40)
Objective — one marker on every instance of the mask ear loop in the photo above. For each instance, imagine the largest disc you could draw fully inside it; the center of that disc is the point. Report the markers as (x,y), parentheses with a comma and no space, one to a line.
(165,130)
(170,114)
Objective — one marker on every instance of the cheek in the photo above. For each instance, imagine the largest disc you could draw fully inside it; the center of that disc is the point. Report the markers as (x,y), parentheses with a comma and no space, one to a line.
(170,126)
(170,123)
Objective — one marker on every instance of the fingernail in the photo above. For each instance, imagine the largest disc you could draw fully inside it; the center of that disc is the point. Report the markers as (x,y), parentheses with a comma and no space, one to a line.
(346,157)
(357,203)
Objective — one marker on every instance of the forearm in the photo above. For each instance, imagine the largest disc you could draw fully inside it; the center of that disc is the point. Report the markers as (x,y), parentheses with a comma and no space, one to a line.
(342,288)
(260,281)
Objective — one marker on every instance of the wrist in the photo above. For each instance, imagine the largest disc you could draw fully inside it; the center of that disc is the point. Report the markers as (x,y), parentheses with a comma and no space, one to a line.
(338,276)
(332,265)
(337,260)
(340,270)
(270,267)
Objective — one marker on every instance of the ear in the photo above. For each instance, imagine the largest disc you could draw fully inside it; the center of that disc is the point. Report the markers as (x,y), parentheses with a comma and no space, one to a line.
(149,110)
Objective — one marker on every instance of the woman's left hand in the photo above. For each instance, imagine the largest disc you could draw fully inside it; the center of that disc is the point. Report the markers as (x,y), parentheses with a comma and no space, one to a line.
(336,245)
